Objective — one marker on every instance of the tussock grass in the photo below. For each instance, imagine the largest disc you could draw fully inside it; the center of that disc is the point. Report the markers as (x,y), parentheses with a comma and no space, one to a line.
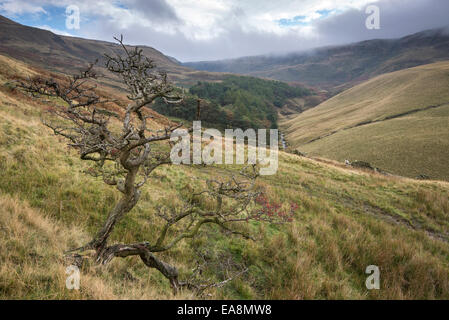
(33,267)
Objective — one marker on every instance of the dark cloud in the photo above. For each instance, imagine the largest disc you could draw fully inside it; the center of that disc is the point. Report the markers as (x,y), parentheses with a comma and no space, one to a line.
(398,18)
(155,10)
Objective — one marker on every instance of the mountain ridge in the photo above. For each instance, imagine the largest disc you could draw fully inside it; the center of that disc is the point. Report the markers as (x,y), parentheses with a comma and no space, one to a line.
(68,54)
(344,65)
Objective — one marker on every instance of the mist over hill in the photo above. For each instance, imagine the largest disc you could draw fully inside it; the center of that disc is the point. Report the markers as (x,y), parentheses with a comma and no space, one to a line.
(332,67)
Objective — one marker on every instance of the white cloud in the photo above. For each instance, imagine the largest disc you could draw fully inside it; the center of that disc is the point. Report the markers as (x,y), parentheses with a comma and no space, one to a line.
(195,19)
(13,7)
(207,19)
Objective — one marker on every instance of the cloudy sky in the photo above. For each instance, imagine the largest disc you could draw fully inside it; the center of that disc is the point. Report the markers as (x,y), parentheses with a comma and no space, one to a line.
(192,30)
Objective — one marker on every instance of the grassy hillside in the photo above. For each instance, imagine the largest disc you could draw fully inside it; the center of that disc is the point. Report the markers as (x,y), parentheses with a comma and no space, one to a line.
(339,67)
(347,220)
(398,122)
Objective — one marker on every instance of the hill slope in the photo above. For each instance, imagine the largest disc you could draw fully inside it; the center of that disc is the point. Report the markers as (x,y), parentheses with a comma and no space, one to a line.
(346,220)
(397,121)
(332,67)
(67,54)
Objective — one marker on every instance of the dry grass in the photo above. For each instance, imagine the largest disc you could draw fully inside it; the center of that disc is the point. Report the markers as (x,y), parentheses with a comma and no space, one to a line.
(33,266)
(409,145)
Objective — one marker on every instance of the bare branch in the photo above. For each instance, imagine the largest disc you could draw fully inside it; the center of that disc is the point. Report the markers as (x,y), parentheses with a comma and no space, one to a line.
(126,158)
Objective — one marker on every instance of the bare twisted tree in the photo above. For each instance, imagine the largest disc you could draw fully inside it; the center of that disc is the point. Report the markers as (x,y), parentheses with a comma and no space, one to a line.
(125,153)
